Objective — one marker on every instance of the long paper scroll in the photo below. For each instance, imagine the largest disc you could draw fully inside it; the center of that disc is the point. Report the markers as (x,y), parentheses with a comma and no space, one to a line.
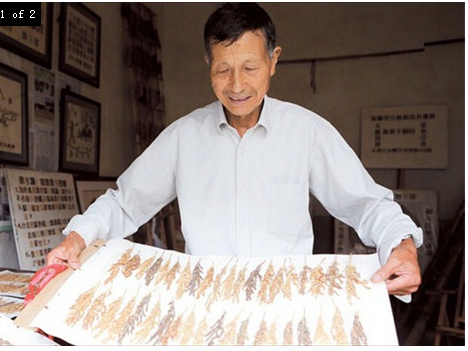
(128,293)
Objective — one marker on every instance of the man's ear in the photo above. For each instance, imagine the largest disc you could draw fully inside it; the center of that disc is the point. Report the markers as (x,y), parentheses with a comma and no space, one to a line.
(274,59)
(207,60)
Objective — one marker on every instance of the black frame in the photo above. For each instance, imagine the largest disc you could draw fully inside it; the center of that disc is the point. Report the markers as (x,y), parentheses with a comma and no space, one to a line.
(79,130)
(5,100)
(65,64)
(42,58)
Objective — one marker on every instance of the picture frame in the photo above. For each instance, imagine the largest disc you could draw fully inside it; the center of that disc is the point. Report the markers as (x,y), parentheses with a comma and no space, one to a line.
(31,42)
(14,145)
(80,128)
(80,42)
(89,190)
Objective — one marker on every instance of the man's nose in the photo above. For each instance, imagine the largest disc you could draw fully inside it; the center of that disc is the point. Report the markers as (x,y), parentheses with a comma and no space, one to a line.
(237,81)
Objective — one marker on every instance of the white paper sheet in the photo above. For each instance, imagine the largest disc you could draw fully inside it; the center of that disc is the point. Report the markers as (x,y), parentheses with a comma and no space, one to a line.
(128,293)
(12,335)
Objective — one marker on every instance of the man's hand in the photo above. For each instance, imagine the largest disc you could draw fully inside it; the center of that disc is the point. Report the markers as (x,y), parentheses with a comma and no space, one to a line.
(401,272)
(68,251)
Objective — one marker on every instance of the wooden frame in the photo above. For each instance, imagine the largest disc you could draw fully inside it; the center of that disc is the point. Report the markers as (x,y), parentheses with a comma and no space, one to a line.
(80,43)
(89,190)
(14,146)
(80,125)
(32,43)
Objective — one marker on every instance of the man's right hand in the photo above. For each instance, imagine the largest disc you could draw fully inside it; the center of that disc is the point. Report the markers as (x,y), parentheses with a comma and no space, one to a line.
(68,251)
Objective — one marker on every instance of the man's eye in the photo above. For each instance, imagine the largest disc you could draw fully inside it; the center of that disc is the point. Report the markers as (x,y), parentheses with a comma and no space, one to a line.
(251,69)
(222,71)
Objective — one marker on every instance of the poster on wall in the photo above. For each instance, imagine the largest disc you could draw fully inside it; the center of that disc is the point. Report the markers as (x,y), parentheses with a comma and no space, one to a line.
(80,133)
(31,42)
(41,205)
(80,42)
(405,137)
(43,136)
(89,190)
(13,116)
(8,257)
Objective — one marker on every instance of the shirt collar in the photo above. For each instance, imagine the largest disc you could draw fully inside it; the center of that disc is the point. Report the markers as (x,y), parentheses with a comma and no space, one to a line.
(265,119)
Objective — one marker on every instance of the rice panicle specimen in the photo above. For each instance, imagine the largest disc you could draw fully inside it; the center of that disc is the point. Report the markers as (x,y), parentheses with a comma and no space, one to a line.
(199,334)
(338,331)
(304,278)
(117,266)
(215,290)
(303,333)
(184,279)
(358,335)
(334,278)
(162,272)
(216,331)
(228,284)
(292,278)
(238,284)
(152,270)
(271,334)
(229,337)
(318,280)
(321,336)
(97,309)
(188,328)
(131,265)
(260,337)
(195,280)
(266,283)
(144,266)
(163,325)
(251,282)
(173,331)
(242,336)
(288,333)
(105,322)
(137,317)
(78,309)
(277,284)
(353,279)
(148,324)
(206,282)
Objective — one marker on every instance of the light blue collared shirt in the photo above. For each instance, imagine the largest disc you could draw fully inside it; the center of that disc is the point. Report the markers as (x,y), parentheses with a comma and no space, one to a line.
(249,196)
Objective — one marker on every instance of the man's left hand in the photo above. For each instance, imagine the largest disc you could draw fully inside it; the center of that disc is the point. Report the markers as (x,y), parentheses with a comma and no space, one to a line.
(401,272)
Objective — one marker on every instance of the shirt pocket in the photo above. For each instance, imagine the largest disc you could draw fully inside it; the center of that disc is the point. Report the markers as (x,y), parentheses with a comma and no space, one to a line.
(286,207)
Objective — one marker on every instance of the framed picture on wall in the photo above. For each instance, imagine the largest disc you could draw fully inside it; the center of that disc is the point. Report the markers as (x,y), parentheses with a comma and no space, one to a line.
(80,120)
(89,190)
(13,116)
(80,42)
(31,42)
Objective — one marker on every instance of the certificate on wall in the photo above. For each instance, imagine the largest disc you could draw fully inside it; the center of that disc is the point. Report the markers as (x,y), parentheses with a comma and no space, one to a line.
(405,137)
(41,205)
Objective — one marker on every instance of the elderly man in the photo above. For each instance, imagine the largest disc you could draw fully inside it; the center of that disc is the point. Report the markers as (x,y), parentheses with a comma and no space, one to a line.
(242,167)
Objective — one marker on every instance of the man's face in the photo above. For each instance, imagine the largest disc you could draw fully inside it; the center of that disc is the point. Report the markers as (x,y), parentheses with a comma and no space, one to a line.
(241,73)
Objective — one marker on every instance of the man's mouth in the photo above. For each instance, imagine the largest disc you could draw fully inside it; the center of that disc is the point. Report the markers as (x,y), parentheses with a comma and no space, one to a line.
(239,99)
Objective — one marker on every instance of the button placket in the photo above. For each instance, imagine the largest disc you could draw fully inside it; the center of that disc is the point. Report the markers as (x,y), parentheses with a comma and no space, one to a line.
(242,203)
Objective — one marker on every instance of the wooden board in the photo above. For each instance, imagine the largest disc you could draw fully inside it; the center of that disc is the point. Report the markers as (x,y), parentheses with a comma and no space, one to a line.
(44,296)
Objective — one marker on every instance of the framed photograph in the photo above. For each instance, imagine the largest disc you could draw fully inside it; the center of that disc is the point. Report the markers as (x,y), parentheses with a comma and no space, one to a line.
(80,126)
(80,42)
(13,116)
(89,190)
(32,43)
